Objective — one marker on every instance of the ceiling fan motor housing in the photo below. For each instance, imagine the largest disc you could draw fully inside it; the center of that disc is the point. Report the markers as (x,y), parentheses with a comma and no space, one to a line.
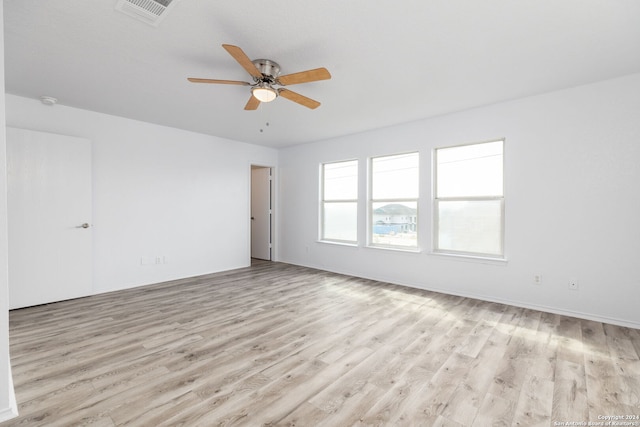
(270,69)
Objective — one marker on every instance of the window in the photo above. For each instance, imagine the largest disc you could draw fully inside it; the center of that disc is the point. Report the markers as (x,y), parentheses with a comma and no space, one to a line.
(339,207)
(393,211)
(469,200)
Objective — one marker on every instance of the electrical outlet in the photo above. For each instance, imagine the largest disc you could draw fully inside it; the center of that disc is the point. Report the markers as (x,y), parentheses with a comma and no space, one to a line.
(537,279)
(573,284)
(147,260)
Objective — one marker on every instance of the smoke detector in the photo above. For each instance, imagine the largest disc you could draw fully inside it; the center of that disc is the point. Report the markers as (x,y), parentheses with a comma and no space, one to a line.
(48,100)
(149,11)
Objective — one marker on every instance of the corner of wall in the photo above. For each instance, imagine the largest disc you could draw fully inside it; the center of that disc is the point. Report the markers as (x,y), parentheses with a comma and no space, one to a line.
(8,407)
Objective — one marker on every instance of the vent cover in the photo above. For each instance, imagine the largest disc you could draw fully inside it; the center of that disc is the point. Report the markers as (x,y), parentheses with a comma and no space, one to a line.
(149,11)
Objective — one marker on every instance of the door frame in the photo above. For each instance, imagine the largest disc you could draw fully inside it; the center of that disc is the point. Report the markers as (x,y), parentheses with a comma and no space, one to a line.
(272,196)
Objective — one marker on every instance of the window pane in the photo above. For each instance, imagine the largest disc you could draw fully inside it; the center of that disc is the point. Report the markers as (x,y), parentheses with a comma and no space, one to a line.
(395,177)
(395,224)
(470,226)
(340,221)
(471,170)
(341,180)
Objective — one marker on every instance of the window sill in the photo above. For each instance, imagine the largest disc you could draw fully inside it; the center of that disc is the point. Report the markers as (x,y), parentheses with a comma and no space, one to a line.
(471,258)
(396,249)
(332,242)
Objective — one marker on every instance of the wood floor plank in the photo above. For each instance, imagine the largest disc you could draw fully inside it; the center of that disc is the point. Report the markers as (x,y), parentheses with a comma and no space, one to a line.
(409,383)
(494,411)
(570,392)
(278,344)
(272,407)
(464,404)
(535,405)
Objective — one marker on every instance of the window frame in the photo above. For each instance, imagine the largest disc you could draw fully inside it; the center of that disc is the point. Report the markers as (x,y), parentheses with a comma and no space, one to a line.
(436,204)
(324,201)
(371,201)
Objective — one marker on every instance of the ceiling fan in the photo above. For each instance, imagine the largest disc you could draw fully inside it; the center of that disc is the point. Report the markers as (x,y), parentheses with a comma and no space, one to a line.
(266,75)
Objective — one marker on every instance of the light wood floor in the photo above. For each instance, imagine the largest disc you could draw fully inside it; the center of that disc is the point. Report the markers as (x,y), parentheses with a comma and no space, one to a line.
(276,344)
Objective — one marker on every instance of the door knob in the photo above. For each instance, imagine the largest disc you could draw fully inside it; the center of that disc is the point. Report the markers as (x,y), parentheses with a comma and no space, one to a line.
(85,225)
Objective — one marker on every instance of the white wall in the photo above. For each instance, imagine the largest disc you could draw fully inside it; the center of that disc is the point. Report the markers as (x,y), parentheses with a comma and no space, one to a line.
(157,191)
(7,397)
(572,203)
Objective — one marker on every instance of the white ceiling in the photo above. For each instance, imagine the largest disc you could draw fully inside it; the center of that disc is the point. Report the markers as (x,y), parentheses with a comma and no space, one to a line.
(391,61)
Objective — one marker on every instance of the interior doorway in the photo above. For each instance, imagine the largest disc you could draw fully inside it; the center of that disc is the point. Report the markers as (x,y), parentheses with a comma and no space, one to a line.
(261,212)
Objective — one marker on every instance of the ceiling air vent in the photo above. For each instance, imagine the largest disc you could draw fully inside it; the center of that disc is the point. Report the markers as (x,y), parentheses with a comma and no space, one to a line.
(149,11)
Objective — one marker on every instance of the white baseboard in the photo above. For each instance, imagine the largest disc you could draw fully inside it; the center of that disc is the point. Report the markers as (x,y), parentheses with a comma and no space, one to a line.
(7,414)
(546,309)
(12,410)
(521,304)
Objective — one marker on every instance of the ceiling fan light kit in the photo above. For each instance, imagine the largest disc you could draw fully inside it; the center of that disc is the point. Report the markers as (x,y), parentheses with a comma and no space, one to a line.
(264,92)
(266,75)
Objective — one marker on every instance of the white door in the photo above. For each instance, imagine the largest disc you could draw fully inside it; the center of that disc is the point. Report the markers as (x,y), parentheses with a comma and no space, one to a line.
(261,213)
(49,210)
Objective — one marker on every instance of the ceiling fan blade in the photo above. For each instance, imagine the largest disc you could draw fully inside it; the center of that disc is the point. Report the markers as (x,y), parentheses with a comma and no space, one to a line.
(223,82)
(252,104)
(239,55)
(305,76)
(300,99)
